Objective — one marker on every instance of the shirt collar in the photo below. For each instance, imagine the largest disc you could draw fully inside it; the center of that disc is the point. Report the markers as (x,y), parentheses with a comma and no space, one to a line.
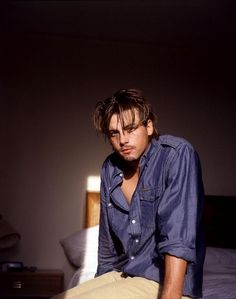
(152,147)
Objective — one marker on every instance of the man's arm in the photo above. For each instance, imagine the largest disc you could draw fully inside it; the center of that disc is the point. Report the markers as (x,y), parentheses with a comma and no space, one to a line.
(180,211)
(107,255)
(175,269)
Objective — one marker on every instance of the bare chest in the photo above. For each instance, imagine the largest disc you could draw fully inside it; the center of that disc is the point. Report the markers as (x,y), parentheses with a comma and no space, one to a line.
(128,187)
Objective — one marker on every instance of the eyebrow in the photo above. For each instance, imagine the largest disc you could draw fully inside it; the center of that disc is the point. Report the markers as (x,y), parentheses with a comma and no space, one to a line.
(131,126)
(112,131)
(127,127)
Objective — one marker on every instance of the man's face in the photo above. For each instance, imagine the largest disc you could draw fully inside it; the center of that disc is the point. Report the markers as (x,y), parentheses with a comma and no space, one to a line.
(131,140)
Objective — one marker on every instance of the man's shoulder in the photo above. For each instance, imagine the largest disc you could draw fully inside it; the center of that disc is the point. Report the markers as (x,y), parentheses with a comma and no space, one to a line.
(109,162)
(110,159)
(109,167)
(174,142)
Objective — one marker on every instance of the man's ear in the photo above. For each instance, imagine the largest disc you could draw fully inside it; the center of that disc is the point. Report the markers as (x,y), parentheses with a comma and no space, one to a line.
(149,127)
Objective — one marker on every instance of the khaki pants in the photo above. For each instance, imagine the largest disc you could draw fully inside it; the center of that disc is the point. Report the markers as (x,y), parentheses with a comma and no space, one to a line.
(113,286)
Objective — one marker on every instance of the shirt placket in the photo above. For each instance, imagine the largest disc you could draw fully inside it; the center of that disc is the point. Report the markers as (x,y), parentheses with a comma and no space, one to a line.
(134,217)
(134,229)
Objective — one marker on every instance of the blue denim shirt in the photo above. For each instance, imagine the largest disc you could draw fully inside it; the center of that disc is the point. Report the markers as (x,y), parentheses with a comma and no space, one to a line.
(164,216)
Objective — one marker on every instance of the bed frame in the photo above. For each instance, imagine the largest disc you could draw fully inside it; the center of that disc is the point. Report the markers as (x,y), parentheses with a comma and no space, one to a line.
(92,208)
(219,218)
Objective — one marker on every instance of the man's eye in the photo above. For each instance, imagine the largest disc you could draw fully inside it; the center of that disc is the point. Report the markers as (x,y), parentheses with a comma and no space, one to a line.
(130,130)
(113,134)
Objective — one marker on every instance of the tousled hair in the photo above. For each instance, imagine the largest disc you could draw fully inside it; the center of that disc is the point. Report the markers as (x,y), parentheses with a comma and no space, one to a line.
(123,100)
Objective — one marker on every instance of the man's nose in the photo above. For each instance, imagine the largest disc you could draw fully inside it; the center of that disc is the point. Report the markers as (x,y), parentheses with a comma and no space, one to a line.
(124,138)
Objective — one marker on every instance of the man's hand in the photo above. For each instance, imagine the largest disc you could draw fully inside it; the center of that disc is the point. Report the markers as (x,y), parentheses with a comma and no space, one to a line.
(175,269)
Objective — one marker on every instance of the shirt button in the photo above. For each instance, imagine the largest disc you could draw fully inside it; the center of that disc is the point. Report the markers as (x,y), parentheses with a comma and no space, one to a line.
(109,205)
(133,221)
(136,240)
(132,257)
(121,174)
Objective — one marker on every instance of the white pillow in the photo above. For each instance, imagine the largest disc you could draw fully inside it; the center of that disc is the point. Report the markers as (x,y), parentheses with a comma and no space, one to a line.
(81,247)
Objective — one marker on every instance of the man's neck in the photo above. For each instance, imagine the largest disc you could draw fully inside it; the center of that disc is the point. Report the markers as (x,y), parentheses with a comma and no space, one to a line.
(130,181)
(130,168)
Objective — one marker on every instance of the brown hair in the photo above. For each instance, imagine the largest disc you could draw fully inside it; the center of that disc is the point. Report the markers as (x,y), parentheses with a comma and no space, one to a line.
(123,100)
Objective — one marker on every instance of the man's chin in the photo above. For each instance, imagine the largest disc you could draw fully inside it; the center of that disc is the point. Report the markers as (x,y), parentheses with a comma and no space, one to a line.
(129,158)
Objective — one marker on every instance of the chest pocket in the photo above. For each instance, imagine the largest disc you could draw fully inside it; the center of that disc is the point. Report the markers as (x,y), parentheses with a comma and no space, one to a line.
(116,217)
(149,199)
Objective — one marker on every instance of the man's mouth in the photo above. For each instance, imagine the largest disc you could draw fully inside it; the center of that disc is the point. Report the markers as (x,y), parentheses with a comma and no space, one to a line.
(126,150)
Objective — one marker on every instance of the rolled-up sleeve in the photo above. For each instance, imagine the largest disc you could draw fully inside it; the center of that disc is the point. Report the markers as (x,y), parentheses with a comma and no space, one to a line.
(180,205)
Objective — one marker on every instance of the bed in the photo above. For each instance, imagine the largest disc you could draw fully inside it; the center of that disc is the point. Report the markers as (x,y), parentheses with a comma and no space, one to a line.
(219,281)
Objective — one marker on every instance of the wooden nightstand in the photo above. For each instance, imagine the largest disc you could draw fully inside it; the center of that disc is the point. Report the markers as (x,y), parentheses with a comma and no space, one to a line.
(31,285)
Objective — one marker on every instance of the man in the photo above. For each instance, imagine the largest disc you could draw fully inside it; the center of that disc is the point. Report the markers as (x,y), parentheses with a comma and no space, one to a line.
(150,234)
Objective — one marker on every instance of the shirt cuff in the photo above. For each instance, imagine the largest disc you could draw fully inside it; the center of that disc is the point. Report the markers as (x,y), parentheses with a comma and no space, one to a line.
(178,249)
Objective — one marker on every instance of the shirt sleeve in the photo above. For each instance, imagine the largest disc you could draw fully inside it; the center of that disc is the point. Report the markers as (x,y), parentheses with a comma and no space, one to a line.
(181,204)
(106,250)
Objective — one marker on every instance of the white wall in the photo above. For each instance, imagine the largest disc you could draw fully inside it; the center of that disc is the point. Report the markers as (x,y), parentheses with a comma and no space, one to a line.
(51,86)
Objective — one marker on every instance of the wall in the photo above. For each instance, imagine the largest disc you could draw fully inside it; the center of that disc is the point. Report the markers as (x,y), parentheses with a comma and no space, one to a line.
(50,86)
